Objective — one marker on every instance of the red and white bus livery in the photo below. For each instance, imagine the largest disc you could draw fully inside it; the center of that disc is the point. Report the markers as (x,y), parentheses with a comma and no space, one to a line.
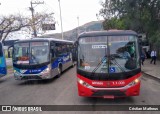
(108,64)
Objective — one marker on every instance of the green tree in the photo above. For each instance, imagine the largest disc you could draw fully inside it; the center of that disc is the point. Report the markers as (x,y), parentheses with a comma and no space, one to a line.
(142,16)
(138,15)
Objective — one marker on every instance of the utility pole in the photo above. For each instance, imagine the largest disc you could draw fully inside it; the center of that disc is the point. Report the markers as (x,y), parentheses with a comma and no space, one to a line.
(61,18)
(33,18)
(77,29)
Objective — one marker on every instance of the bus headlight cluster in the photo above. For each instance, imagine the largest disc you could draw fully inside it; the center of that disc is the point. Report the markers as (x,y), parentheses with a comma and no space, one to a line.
(84,83)
(46,71)
(16,73)
(137,80)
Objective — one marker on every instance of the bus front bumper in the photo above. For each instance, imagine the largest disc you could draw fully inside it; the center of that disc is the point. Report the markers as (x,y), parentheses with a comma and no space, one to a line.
(109,92)
(32,76)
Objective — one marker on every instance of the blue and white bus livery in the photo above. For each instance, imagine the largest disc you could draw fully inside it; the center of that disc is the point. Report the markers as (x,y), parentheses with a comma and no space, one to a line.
(38,58)
(3,67)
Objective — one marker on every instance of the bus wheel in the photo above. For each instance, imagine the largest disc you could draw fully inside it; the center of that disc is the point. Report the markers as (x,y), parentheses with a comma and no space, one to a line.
(73,64)
(59,71)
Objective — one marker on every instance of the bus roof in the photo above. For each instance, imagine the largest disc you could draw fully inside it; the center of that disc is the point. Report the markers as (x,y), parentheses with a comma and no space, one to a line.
(44,39)
(107,33)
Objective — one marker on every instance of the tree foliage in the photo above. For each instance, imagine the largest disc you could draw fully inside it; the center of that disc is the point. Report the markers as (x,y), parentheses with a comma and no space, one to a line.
(142,16)
(12,23)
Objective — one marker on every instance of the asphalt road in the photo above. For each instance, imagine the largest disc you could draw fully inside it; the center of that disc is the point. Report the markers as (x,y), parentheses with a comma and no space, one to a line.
(63,91)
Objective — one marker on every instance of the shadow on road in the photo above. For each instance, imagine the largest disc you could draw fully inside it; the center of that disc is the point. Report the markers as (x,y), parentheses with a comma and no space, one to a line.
(150,77)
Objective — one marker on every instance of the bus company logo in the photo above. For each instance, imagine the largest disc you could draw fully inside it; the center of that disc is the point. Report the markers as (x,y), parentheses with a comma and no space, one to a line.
(23,71)
(59,60)
(97,83)
(66,58)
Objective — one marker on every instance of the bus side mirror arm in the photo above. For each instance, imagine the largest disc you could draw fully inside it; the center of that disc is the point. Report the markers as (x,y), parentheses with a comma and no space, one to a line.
(76,50)
(9,54)
(10,47)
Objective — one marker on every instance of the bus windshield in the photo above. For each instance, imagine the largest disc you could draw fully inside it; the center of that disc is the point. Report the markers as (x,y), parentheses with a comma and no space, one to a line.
(31,52)
(108,54)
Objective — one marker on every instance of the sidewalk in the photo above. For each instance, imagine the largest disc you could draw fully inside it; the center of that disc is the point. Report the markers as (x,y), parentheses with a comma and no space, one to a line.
(151,69)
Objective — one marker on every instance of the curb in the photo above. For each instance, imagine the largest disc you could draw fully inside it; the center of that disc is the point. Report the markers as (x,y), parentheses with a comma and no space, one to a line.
(151,76)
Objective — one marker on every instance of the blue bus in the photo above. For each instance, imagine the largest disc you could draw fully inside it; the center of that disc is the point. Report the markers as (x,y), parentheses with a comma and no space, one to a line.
(3,68)
(37,58)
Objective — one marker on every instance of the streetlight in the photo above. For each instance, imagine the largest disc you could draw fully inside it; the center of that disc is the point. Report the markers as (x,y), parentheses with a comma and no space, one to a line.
(61,18)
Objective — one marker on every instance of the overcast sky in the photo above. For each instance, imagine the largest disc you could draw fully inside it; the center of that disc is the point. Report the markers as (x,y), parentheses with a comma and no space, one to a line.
(71,9)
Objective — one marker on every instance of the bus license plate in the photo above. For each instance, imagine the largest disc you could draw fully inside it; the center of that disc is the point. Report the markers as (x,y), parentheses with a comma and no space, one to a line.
(108,96)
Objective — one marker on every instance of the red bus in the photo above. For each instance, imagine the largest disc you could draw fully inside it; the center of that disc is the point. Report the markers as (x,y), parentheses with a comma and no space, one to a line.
(108,64)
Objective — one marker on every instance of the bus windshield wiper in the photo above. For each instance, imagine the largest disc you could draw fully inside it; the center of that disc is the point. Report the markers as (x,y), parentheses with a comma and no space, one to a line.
(119,66)
(34,58)
(112,59)
(99,64)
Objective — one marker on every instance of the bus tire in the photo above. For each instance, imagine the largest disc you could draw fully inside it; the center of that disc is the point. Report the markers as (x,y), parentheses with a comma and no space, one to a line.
(73,64)
(59,71)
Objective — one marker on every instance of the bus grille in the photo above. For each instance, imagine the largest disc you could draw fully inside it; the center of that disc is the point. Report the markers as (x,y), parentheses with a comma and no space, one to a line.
(31,78)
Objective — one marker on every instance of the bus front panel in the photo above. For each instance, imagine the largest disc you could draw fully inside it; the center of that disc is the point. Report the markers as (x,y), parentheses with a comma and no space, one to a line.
(108,59)
(31,60)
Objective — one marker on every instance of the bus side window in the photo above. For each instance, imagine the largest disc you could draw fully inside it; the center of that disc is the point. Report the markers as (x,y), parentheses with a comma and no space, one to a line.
(58,49)
(67,48)
(70,47)
(64,48)
(52,49)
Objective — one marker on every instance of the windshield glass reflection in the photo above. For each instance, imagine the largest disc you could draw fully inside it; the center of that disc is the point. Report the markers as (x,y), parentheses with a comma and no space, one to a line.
(120,53)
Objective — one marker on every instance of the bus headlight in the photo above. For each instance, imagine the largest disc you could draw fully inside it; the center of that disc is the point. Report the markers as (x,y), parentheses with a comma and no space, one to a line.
(46,71)
(137,80)
(84,83)
(16,73)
